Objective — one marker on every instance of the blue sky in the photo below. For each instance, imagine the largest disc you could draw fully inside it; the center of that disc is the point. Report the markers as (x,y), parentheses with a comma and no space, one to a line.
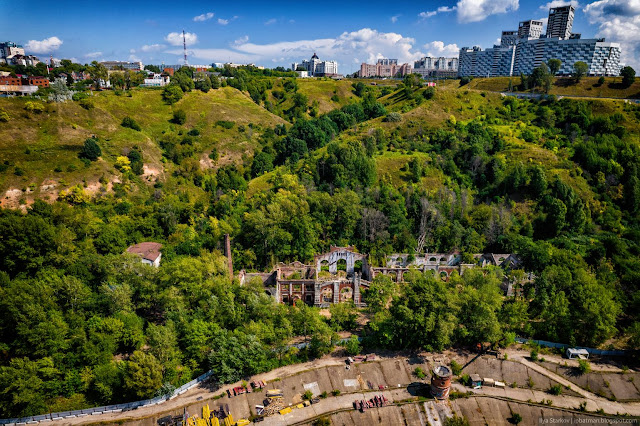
(272,33)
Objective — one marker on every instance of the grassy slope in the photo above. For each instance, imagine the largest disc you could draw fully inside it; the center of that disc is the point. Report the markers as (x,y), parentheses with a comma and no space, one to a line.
(587,87)
(54,137)
(323,90)
(38,143)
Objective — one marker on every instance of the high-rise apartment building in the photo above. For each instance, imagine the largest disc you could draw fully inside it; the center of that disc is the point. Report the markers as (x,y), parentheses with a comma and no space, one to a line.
(530,29)
(508,38)
(560,22)
(531,50)
(384,68)
(439,67)
(492,62)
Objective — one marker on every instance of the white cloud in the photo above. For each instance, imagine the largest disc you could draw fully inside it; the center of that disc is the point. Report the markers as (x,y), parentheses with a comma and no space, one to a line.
(152,47)
(557,3)
(134,58)
(93,55)
(241,40)
(479,10)
(223,21)
(441,9)
(175,39)
(394,18)
(271,21)
(203,17)
(425,15)
(43,46)
(618,21)
(366,44)
(438,48)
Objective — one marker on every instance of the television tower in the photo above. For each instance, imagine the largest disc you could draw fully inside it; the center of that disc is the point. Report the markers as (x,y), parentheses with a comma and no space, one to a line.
(184,45)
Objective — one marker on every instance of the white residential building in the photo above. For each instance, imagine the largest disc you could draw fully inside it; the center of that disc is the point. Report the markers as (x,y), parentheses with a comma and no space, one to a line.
(317,68)
(156,80)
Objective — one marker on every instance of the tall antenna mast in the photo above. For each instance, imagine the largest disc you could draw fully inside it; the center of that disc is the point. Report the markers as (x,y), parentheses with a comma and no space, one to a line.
(184,44)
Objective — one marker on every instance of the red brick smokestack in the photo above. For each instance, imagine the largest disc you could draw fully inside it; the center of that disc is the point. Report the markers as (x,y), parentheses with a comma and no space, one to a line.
(227,252)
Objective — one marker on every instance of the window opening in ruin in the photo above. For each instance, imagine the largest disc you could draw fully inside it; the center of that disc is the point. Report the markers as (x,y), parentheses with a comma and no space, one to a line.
(357,266)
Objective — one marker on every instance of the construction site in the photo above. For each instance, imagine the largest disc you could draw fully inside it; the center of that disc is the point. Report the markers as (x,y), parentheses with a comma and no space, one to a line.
(411,389)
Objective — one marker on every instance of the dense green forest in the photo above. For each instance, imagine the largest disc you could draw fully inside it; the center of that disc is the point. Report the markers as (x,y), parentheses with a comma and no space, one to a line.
(556,182)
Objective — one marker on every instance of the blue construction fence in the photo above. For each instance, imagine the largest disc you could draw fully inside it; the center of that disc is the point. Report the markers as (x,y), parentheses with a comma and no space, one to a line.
(108,408)
(591,351)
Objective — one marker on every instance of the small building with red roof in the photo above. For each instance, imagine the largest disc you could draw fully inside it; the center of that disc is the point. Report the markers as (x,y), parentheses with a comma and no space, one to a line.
(149,252)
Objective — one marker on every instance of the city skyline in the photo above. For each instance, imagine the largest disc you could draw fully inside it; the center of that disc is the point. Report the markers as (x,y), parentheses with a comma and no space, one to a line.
(227,33)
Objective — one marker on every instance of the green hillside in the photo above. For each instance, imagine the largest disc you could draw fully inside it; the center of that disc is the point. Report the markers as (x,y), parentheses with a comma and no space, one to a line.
(587,87)
(289,172)
(45,149)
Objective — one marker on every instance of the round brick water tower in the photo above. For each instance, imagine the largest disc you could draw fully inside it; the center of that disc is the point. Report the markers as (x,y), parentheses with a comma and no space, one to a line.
(441,382)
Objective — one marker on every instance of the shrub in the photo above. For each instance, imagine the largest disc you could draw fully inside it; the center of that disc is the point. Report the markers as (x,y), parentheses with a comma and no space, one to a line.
(335,392)
(322,421)
(465,380)
(429,92)
(534,355)
(515,418)
(194,132)
(393,117)
(78,96)
(584,367)
(456,368)
(465,80)
(130,123)
(74,195)
(172,94)
(90,150)
(123,164)
(600,81)
(456,421)
(225,124)
(353,346)
(324,394)
(179,117)
(4,116)
(86,104)
(36,107)
(419,373)
(308,395)
(628,76)
(555,390)
(335,98)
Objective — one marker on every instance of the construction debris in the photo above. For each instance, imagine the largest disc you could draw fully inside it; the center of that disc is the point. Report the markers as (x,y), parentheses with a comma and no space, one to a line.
(376,401)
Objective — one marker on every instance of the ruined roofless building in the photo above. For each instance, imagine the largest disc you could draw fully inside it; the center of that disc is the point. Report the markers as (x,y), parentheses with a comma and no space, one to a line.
(342,274)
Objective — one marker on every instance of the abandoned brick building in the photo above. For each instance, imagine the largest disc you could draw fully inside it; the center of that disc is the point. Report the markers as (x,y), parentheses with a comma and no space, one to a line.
(342,274)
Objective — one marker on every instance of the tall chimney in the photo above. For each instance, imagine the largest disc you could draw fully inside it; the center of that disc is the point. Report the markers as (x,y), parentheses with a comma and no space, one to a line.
(227,252)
